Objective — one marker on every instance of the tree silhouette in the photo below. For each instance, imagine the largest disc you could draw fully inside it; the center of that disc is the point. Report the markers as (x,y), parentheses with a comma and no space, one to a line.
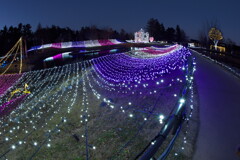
(170,34)
(155,29)
(180,34)
(53,34)
(159,33)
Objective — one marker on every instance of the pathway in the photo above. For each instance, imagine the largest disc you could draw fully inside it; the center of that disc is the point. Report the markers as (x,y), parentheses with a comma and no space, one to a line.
(219,95)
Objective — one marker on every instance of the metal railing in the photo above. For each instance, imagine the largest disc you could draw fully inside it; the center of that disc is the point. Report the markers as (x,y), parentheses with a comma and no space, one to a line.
(173,123)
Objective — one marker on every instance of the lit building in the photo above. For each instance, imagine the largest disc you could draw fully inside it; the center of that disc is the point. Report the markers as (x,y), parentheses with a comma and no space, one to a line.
(141,36)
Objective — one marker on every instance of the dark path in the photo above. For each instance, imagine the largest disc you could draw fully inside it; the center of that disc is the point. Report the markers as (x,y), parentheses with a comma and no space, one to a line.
(219,94)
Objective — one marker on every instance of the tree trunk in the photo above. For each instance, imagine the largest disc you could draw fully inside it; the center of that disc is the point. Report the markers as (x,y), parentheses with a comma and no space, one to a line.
(215,44)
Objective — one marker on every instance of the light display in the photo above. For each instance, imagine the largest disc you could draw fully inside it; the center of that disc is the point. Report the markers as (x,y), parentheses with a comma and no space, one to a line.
(8,80)
(141,36)
(215,35)
(11,56)
(78,44)
(113,99)
(61,56)
(71,55)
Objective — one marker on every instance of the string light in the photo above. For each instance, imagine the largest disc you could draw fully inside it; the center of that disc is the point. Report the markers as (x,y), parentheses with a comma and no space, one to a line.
(123,76)
(79,44)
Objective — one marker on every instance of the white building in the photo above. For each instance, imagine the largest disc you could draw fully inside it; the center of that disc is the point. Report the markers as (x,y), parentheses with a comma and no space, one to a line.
(141,36)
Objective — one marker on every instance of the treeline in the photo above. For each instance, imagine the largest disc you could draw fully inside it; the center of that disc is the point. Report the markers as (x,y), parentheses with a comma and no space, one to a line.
(160,33)
(44,35)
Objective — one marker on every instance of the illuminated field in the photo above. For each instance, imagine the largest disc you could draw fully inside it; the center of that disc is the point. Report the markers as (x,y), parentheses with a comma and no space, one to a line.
(109,107)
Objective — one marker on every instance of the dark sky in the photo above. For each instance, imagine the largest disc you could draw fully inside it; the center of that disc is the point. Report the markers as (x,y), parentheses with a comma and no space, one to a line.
(130,15)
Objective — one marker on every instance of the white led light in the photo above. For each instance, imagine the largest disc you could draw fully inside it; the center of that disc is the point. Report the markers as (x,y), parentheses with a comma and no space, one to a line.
(55,88)
(182,100)
(161,117)
(112,106)
(13,147)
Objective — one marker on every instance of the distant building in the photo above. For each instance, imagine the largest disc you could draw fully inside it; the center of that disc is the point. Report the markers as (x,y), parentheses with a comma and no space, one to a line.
(194,43)
(191,45)
(141,36)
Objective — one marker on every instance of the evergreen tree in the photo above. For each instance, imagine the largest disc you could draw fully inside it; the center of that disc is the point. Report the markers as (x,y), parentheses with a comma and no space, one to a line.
(155,29)
(170,34)
(180,35)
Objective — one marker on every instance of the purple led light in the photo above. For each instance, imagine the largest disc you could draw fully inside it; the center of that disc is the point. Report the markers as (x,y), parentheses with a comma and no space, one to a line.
(7,81)
(80,44)
(122,67)
(11,105)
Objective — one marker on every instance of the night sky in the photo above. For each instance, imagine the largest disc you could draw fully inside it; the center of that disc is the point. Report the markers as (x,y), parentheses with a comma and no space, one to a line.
(130,15)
